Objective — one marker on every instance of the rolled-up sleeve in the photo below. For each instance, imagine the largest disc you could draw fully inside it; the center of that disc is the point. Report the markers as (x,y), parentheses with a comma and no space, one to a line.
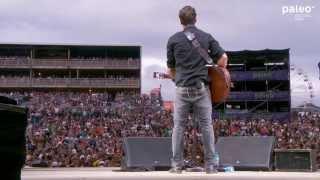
(171,62)
(215,50)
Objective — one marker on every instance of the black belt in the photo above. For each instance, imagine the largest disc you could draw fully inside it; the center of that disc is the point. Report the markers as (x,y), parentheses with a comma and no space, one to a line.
(199,85)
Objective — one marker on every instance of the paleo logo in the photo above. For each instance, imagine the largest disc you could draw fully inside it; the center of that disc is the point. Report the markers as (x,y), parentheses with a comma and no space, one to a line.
(298,11)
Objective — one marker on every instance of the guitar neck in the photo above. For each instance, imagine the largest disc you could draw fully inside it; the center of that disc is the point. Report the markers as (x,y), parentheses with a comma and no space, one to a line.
(160,75)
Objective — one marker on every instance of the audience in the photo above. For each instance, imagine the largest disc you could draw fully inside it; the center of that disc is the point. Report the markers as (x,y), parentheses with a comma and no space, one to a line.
(81,129)
(85,129)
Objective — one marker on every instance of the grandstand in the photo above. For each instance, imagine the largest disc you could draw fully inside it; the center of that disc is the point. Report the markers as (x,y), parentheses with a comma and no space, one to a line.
(71,127)
(261,85)
(72,67)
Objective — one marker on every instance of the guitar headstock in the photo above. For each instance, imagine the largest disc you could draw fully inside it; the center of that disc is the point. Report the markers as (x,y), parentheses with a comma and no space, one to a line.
(160,75)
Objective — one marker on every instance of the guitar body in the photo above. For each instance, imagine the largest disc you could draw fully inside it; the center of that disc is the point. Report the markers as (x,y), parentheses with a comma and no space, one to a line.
(220,84)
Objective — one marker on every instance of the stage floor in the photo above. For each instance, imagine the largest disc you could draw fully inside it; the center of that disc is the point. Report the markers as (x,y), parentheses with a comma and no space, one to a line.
(109,174)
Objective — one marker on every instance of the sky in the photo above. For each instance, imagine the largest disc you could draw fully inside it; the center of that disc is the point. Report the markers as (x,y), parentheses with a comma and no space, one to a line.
(236,24)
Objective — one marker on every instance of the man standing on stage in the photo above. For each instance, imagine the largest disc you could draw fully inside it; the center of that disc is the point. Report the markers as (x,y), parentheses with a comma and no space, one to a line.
(189,71)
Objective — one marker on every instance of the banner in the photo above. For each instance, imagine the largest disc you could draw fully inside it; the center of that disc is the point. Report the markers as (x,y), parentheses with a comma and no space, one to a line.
(247,96)
(259,75)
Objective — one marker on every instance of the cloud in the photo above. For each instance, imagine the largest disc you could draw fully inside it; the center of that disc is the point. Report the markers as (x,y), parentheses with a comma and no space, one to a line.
(236,24)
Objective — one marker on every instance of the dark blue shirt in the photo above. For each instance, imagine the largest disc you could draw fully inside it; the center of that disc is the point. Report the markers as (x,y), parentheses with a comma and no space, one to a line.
(190,66)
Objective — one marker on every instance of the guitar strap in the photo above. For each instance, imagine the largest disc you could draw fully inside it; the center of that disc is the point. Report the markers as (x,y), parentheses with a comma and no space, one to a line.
(196,44)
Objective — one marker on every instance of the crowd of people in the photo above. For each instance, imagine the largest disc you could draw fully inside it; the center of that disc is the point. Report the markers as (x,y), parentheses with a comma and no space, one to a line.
(81,129)
(301,132)
(85,129)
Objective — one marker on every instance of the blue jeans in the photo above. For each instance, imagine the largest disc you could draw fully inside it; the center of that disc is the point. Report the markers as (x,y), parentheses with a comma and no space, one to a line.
(199,100)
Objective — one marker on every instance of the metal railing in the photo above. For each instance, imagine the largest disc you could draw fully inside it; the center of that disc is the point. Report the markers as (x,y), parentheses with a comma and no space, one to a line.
(17,82)
(251,95)
(73,63)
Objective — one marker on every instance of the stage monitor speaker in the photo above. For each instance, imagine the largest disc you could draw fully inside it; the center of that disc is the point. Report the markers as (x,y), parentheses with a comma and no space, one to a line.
(246,152)
(295,160)
(146,153)
(13,119)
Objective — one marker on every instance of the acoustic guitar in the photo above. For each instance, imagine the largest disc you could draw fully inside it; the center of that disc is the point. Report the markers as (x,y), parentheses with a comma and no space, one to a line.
(219,86)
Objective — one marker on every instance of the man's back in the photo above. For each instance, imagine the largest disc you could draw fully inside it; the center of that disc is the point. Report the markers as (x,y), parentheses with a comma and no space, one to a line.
(190,66)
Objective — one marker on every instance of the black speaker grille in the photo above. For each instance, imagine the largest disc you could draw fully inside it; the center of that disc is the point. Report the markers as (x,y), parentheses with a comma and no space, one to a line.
(147,152)
(245,152)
